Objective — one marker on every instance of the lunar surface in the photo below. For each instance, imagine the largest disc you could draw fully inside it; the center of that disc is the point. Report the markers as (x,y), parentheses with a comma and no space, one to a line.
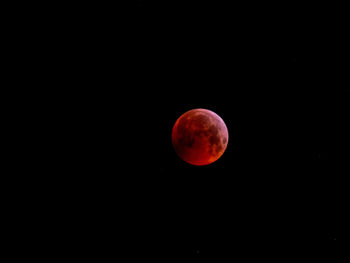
(199,137)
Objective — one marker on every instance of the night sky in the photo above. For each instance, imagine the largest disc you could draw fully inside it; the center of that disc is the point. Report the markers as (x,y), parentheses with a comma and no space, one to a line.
(274,74)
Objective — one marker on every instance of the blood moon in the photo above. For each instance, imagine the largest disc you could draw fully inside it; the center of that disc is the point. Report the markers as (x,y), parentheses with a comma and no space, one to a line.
(199,136)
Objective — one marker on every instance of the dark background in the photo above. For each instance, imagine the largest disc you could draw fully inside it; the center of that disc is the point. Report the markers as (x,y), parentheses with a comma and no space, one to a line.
(275,73)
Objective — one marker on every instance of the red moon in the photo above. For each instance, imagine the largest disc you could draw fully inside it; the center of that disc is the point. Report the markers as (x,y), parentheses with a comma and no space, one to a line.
(199,137)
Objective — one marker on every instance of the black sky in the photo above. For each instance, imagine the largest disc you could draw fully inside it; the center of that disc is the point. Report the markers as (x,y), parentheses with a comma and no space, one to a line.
(274,73)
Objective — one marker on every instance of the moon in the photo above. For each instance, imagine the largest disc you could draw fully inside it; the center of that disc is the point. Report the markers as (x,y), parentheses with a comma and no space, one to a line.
(199,137)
